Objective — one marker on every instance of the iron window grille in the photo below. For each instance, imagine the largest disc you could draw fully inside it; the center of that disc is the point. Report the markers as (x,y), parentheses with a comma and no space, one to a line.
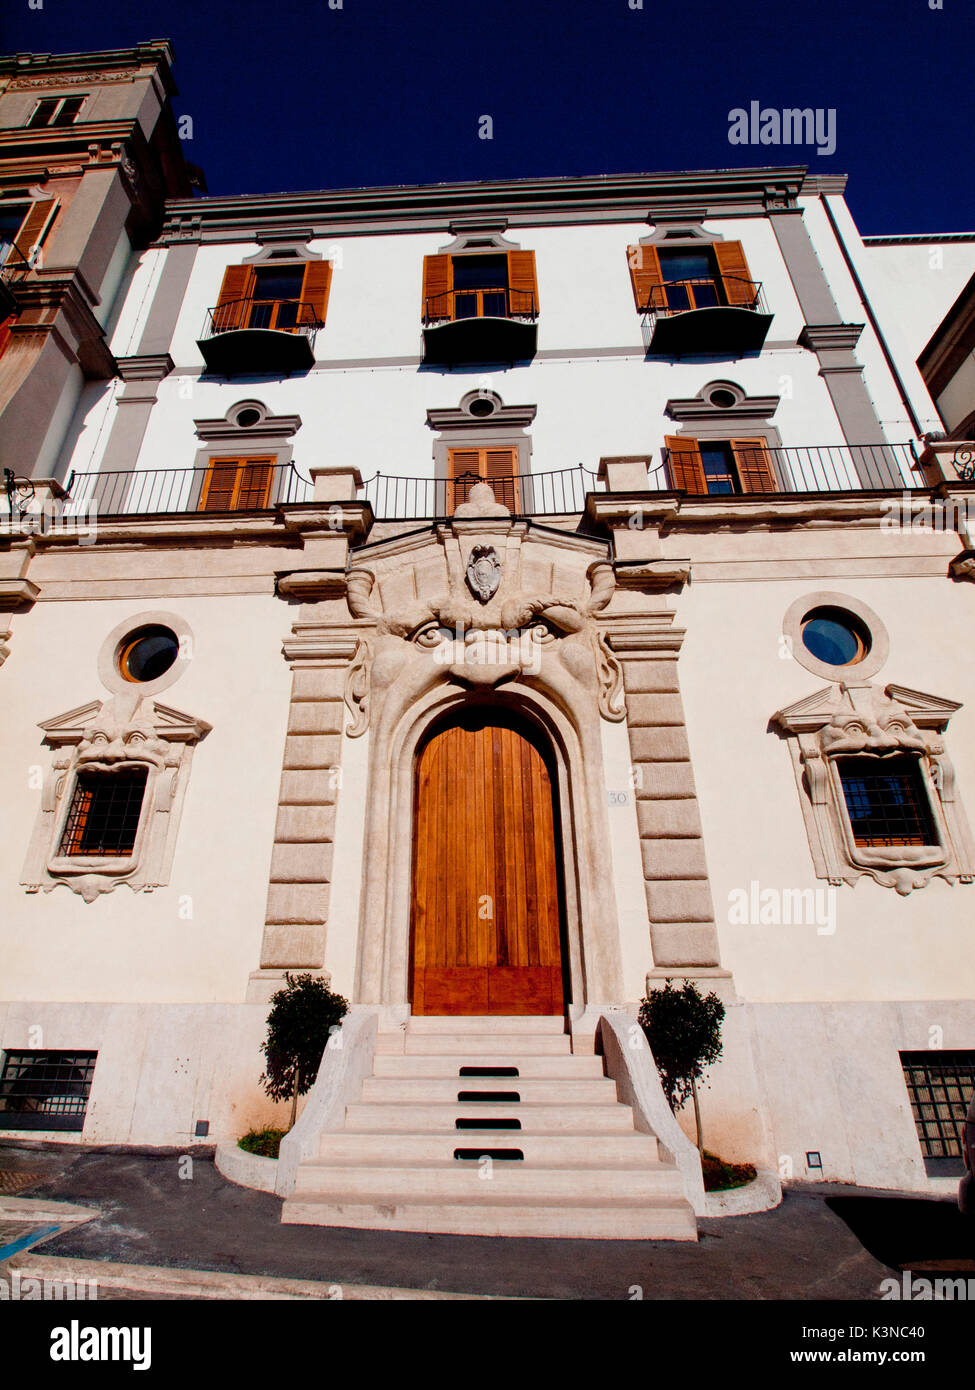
(103,818)
(940,1086)
(886,801)
(45,1090)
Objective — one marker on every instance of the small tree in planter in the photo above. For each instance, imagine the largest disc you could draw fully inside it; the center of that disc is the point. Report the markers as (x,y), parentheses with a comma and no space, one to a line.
(684,1032)
(302,1018)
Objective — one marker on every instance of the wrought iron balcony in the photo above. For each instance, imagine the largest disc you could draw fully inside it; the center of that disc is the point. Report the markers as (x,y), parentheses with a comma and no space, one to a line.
(559,493)
(221,487)
(14,266)
(812,468)
(259,335)
(479,325)
(722,315)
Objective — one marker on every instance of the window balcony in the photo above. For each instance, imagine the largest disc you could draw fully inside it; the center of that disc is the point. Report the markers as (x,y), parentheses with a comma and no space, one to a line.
(479,325)
(712,468)
(559,493)
(722,315)
(223,486)
(254,336)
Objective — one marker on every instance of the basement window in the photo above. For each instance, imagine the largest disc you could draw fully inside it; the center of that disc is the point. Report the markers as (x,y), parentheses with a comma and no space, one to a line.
(45,1090)
(940,1086)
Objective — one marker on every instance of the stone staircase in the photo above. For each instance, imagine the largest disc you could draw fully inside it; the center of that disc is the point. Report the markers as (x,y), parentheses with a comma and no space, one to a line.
(490,1126)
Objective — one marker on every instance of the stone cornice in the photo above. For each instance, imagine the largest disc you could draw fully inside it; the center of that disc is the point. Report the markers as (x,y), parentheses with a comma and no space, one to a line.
(830,337)
(613,197)
(694,408)
(453,418)
(350,519)
(148,368)
(105,65)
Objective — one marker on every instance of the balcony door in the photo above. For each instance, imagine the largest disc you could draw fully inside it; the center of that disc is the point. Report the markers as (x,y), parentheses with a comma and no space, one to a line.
(487,901)
(467,467)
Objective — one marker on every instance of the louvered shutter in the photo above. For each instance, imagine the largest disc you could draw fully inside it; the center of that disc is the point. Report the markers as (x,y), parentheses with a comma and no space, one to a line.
(462,464)
(685,465)
(314,293)
(646,277)
(754,463)
(219,485)
(522,282)
(34,225)
(499,468)
(735,275)
(254,484)
(235,292)
(436,286)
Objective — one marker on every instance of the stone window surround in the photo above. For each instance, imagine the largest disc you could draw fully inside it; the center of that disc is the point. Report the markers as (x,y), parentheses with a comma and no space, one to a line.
(856,718)
(859,672)
(108,669)
(748,418)
(224,438)
(457,428)
(128,730)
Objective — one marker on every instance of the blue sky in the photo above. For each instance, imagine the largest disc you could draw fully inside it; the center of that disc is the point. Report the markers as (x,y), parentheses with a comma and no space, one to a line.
(292,95)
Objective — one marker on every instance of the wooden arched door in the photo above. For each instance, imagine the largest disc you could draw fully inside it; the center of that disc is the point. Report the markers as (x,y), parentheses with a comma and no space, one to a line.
(487,916)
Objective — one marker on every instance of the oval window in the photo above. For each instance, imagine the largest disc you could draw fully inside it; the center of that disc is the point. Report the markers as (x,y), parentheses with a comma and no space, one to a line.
(147,654)
(835,637)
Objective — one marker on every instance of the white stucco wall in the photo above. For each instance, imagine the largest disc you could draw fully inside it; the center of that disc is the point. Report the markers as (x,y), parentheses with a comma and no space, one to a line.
(197,939)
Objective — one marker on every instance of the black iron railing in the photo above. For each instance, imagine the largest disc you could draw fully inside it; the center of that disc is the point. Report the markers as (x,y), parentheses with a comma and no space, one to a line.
(713,292)
(558,493)
(221,487)
(480,303)
(811,468)
(282,315)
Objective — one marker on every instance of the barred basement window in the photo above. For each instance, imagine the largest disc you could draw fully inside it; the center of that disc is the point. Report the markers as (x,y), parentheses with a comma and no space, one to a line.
(45,1090)
(104,814)
(940,1086)
(887,801)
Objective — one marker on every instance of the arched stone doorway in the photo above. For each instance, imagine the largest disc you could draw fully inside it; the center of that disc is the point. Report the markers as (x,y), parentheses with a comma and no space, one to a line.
(487,901)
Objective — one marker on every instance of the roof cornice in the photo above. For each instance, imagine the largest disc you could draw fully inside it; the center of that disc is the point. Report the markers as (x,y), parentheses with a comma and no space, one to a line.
(157,53)
(603,197)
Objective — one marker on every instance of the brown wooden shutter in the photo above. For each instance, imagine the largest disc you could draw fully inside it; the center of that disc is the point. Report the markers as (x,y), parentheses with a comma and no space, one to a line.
(522,282)
(314,293)
(238,282)
(34,225)
(754,463)
(254,484)
(646,276)
(436,284)
(685,465)
(460,462)
(735,275)
(218,487)
(499,469)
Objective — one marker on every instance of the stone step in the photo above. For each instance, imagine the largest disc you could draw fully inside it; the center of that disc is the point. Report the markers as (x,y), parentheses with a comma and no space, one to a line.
(478,1045)
(413,1118)
(458,1179)
(437,1146)
(586,1091)
(622,1219)
(486,1023)
(530,1067)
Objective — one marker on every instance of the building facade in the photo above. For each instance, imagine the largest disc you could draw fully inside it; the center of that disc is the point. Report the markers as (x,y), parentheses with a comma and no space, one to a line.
(499,598)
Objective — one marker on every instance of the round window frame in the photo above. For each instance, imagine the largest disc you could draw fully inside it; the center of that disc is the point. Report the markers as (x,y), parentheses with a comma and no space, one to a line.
(854,672)
(127,632)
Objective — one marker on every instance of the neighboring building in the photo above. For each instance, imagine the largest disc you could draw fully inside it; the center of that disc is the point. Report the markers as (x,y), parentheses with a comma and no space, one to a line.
(683,695)
(948,366)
